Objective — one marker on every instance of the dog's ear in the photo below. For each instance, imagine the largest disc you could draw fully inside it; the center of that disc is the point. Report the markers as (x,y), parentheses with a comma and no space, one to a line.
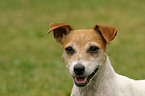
(59,31)
(108,32)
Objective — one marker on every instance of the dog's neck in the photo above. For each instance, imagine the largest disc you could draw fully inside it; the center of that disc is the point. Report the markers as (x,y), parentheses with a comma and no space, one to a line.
(101,84)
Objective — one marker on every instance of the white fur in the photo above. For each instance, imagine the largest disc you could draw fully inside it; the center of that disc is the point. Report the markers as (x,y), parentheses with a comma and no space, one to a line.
(108,83)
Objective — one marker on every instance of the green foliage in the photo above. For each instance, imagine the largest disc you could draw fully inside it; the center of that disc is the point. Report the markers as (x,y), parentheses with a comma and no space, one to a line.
(30,62)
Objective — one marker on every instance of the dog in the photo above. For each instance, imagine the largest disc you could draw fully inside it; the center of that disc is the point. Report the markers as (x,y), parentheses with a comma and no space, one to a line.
(85,56)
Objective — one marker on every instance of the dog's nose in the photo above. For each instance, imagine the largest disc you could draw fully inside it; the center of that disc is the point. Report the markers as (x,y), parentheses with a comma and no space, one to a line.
(79,69)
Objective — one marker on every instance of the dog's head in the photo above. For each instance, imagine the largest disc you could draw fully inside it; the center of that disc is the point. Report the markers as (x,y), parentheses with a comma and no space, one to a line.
(84,50)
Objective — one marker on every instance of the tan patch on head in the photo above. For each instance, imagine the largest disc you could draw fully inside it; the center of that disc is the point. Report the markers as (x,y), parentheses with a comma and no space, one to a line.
(84,36)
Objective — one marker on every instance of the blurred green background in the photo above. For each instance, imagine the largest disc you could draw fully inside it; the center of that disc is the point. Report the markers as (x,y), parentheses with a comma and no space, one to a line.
(30,60)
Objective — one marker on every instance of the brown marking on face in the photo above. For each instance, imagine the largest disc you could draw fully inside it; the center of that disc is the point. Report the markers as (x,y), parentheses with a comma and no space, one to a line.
(80,40)
(83,36)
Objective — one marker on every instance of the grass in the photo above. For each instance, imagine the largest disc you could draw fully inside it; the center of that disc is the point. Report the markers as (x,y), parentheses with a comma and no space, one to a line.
(30,62)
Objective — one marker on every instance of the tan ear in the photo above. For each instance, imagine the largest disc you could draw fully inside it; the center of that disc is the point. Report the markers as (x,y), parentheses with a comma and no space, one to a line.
(108,32)
(59,31)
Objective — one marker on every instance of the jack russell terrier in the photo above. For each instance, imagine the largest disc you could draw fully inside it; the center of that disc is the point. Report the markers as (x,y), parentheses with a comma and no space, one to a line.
(85,56)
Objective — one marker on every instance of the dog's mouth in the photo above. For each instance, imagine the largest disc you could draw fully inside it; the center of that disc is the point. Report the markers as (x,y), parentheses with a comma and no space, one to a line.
(83,81)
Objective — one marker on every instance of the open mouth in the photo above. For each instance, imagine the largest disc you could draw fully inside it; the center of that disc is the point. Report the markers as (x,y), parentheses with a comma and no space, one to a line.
(83,81)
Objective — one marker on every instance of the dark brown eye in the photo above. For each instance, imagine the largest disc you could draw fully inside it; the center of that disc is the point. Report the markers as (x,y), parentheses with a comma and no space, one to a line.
(69,50)
(93,49)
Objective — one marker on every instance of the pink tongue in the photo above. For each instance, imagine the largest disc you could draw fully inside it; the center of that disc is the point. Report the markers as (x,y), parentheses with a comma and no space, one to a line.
(80,80)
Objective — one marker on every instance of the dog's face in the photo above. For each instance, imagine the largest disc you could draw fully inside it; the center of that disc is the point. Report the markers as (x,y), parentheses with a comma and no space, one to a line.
(84,51)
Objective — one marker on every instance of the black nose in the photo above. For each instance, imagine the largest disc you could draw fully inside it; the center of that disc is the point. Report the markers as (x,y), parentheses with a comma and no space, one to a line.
(79,69)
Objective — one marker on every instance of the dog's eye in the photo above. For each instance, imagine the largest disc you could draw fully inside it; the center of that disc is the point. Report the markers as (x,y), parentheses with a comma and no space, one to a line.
(69,50)
(93,49)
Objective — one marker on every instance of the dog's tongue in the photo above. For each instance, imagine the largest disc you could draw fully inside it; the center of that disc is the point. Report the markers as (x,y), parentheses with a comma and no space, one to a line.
(80,80)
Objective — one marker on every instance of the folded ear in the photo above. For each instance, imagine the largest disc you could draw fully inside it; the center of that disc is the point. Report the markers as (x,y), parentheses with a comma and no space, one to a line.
(108,32)
(59,31)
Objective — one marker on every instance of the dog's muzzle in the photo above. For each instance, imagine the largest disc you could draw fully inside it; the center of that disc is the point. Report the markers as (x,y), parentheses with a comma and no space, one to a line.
(83,81)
